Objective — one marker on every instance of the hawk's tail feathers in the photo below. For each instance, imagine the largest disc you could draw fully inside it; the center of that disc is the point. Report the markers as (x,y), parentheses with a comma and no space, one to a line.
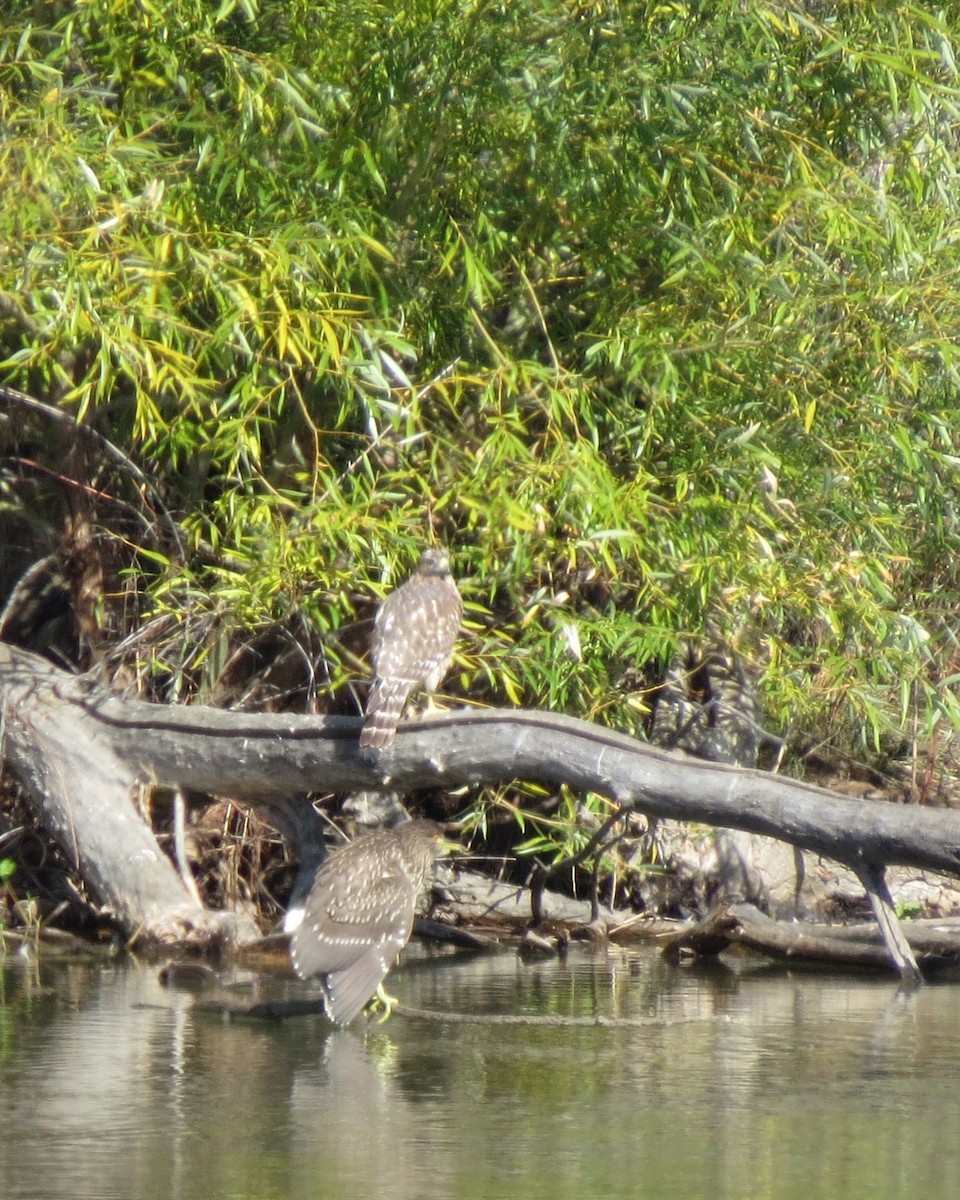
(384,706)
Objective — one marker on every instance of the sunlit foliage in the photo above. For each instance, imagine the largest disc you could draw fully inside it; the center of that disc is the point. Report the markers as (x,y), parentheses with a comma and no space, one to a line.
(649,310)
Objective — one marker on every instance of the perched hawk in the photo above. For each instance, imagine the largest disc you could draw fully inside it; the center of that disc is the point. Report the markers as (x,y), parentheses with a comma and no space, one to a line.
(413,639)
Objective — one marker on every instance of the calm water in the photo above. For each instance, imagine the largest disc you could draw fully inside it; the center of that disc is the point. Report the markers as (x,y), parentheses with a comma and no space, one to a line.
(739,1084)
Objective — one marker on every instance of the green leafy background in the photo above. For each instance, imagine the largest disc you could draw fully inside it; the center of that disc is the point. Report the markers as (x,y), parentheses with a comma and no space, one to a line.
(649,311)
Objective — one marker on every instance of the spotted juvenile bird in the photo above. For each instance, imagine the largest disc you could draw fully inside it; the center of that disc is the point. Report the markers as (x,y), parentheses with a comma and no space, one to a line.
(359,913)
(414,635)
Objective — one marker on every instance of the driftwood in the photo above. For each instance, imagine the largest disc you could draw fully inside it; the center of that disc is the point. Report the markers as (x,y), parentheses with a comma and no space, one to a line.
(83,753)
(934,943)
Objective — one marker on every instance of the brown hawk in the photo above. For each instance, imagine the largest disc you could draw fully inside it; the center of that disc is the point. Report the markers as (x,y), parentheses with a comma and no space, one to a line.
(414,634)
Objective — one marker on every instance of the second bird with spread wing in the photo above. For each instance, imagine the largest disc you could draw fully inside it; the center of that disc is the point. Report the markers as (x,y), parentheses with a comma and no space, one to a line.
(414,636)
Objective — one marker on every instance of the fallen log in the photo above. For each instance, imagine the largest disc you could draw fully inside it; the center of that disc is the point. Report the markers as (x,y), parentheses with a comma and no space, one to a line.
(83,753)
(934,944)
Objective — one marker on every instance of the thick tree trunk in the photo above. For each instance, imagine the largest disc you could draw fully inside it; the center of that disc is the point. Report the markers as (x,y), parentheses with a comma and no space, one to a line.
(82,753)
(86,794)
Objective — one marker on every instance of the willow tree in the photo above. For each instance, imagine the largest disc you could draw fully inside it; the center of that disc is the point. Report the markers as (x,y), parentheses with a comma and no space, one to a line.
(648,310)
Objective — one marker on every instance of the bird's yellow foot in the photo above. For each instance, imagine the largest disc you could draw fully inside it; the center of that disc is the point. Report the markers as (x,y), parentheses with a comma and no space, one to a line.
(381,999)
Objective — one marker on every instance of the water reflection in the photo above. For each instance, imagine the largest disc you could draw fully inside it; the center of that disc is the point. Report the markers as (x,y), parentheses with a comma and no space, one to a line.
(729,1083)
